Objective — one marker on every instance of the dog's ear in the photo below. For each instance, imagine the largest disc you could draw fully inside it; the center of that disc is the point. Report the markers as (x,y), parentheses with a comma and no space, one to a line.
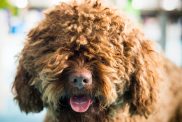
(144,79)
(27,96)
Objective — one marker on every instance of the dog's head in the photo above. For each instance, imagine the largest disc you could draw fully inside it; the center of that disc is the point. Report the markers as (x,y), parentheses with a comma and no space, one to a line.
(84,57)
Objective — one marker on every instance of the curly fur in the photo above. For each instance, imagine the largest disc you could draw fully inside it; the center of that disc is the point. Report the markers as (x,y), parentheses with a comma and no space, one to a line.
(131,81)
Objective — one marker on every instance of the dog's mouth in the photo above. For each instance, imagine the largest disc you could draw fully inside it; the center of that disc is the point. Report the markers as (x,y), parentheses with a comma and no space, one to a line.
(80,103)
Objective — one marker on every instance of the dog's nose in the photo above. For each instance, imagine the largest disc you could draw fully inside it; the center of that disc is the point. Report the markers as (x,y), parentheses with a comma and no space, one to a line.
(81,79)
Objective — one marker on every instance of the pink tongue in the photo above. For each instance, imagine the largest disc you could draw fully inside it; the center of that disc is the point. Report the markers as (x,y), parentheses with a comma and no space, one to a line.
(80,103)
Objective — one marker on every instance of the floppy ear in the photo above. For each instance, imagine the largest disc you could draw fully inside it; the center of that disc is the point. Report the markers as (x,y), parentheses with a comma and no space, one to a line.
(27,96)
(144,79)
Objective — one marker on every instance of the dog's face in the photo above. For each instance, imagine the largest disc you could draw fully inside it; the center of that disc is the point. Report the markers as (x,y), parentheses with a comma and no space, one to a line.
(84,58)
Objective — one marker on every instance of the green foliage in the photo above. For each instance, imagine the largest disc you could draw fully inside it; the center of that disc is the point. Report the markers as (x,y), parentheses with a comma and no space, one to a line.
(4,4)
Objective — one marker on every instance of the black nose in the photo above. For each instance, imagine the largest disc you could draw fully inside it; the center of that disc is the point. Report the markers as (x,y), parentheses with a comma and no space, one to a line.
(80,80)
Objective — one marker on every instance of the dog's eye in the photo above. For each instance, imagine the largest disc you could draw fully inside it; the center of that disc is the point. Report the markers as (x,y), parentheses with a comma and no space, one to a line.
(104,61)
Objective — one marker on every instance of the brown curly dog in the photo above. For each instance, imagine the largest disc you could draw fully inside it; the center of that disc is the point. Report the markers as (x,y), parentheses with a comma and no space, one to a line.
(86,63)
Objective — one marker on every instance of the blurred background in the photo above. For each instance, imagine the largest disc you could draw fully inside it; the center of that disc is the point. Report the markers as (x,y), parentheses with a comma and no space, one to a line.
(161,21)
